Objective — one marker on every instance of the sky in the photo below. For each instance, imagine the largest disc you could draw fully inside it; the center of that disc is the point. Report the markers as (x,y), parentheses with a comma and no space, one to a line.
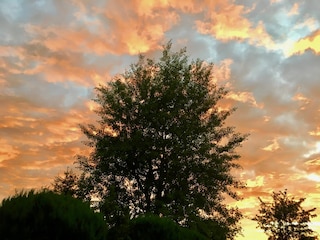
(267,53)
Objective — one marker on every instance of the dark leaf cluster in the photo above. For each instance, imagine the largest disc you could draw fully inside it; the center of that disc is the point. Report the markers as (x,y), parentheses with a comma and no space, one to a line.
(46,215)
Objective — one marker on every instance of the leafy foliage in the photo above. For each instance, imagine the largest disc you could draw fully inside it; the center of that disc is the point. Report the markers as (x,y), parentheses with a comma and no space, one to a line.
(284,218)
(161,146)
(67,185)
(73,185)
(152,227)
(49,216)
(155,227)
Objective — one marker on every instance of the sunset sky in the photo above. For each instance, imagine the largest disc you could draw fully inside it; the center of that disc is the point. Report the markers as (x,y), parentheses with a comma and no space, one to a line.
(267,53)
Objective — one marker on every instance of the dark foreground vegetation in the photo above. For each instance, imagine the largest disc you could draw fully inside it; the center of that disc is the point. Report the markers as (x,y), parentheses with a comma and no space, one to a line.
(46,215)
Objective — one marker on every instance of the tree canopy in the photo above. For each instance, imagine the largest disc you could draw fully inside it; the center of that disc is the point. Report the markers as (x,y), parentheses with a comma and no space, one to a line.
(284,218)
(161,145)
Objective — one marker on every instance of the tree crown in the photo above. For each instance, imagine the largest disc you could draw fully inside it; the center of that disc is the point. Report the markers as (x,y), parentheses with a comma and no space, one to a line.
(285,218)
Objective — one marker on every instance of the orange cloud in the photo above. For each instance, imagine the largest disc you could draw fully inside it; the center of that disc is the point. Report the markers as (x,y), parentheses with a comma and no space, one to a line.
(244,97)
(302,100)
(273,146)
(315,132)
(141,26)
(258,181)
(301,97)
(315,149)
(222,72)
(7,151)
(132,27)
(229,23)
(311,42)
(38,148)
(59,39)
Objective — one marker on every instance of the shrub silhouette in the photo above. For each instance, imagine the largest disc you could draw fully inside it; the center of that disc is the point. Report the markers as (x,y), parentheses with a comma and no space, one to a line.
(48,216)
(155,227)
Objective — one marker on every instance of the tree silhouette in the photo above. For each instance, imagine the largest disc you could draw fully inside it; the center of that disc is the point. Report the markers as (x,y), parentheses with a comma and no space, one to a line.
(284,218)
(161,146)
(72,184)
(67,184)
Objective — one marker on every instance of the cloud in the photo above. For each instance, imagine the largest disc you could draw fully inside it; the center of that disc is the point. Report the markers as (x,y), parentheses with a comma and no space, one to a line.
(273,146)
(53,53)
(294,10)
(315,132)
(7,151)
(230,23)
(311,42)
(243,97)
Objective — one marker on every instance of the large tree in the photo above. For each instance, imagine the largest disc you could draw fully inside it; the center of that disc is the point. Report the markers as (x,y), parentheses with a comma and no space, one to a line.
(161,145)
(284,218)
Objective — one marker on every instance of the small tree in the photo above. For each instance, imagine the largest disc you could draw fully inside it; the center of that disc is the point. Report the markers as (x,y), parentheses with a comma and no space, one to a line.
(67,184)
(161,145)
(73,185)
(284,218)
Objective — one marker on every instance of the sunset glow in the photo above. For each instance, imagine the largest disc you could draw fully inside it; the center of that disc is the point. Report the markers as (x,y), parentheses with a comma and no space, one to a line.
(266,53)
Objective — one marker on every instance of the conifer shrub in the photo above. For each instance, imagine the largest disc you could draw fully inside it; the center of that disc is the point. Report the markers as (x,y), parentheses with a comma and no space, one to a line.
(49,216)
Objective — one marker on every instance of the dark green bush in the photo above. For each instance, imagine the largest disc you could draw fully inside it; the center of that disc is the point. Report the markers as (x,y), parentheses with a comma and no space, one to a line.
(49,216)
(155,227)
